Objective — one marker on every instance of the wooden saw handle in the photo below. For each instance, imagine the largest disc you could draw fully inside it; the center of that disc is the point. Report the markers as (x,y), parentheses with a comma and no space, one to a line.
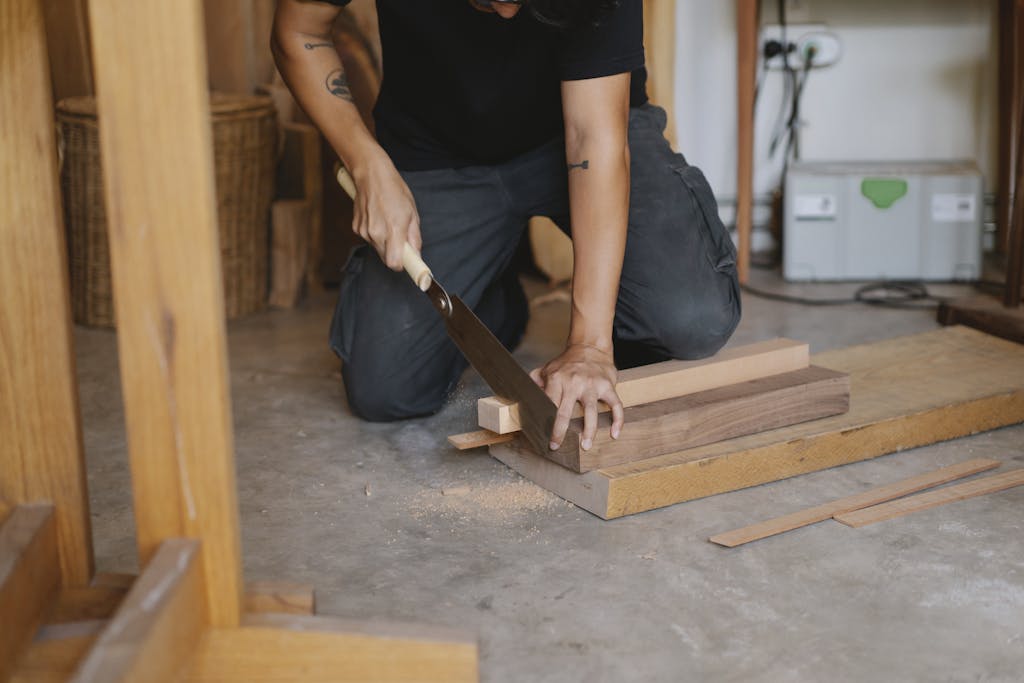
(411,261)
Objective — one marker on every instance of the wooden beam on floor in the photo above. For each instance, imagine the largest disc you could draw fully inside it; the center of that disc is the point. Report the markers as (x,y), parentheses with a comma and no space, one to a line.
(29,578)
(709,416)
(272,649)
(874,496)
(905,392)
(674,378)
(930,499)
(101,600)
(155,134)
(156,628)
(41,457)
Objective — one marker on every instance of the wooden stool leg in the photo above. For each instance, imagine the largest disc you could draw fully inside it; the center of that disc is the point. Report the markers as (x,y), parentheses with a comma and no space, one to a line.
(41,450)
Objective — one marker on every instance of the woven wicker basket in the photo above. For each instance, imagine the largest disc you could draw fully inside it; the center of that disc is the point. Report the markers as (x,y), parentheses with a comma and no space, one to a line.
(244,148)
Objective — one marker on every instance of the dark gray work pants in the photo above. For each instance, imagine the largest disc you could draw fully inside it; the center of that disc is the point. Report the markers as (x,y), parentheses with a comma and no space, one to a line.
(678,296)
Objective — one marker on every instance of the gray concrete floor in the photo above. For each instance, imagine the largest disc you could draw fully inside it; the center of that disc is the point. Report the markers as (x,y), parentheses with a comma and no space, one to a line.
(556,594)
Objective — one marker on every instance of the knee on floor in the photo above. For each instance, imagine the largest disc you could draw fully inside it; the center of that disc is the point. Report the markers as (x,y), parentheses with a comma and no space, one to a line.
(689,335)
(377,398)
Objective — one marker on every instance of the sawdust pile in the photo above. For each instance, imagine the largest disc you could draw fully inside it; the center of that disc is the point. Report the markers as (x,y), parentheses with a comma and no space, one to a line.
(500,501)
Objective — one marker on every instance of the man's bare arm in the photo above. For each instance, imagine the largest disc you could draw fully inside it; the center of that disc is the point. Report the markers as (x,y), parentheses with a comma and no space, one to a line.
(597,153)
(385,213)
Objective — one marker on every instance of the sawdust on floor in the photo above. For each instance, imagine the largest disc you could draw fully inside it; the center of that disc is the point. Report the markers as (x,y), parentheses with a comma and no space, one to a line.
(501,501)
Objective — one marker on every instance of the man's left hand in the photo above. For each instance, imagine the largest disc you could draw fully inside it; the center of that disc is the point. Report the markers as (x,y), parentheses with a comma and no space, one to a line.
(581,374)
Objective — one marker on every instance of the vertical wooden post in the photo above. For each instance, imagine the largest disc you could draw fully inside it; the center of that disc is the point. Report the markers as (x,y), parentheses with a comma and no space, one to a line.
(150,69)
(1009,101)
(1015,248)
(746,78)
(41,450)
(660,41)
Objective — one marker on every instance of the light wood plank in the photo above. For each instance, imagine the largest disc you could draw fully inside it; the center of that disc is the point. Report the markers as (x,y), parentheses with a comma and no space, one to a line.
(674,378)
(155,135)
(29,578)
(880,494)
(709,416)
(157,627)
(905,392)
(478,439)
(41,457)
(289,250)
(930,499)
(271,649)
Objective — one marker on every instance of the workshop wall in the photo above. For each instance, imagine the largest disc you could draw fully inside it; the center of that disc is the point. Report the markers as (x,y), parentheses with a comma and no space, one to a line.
(917,80)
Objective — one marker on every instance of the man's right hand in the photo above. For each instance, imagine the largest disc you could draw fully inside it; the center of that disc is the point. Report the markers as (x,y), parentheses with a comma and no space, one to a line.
(385,211)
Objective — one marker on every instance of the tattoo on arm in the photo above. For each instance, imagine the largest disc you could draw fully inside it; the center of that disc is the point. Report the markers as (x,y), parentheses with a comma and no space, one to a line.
(313,46)
(337,85)
(585,164)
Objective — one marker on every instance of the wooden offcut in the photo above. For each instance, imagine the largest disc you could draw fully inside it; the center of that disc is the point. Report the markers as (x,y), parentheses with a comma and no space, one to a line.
(29,578)
(930,499)
(674,378)
(709,416)
(155,135)
(874,496)
(41,454)
(905,392)
(478,439)
(156,628)
(272,648)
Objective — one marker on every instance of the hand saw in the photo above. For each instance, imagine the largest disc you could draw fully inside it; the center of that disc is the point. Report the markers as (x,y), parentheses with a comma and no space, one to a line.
(480,347)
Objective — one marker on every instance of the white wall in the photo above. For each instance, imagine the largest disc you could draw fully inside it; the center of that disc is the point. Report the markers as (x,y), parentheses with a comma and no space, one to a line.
(917,80)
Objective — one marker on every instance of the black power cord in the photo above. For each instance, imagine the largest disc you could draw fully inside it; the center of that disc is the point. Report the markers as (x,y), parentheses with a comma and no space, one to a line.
(912,294)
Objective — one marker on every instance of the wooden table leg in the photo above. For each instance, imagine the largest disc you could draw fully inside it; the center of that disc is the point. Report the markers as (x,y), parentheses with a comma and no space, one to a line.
(746,76)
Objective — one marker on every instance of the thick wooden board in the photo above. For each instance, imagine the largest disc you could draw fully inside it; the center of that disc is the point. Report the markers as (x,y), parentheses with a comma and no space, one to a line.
(478,439)
(29,578)
(157,627)
(985,314)
(905,392)
(150,69)
(880,494)
(709,416)
(674,378)
(272,649)
(41,456)
(930,499)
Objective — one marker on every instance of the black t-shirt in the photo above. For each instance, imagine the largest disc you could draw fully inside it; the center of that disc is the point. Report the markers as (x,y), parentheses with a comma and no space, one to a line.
(463,87)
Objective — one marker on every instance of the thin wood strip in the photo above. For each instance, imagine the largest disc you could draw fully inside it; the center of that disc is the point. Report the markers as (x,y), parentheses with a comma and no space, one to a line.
(674,378)
(155,140)
(930,499)
(478,439)
(880,494)
(157,627)
(29,578)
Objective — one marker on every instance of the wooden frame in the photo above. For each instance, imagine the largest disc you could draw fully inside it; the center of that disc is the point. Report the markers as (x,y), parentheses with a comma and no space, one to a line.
(150,73)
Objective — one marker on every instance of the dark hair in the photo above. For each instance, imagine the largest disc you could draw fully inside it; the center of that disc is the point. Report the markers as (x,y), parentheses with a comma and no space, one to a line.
(571,13)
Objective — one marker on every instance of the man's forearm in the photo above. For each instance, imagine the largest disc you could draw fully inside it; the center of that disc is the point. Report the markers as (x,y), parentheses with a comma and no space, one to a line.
(599,205)
(310,66)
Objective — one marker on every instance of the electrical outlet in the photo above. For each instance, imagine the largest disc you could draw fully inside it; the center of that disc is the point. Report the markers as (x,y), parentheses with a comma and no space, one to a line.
(804,38)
